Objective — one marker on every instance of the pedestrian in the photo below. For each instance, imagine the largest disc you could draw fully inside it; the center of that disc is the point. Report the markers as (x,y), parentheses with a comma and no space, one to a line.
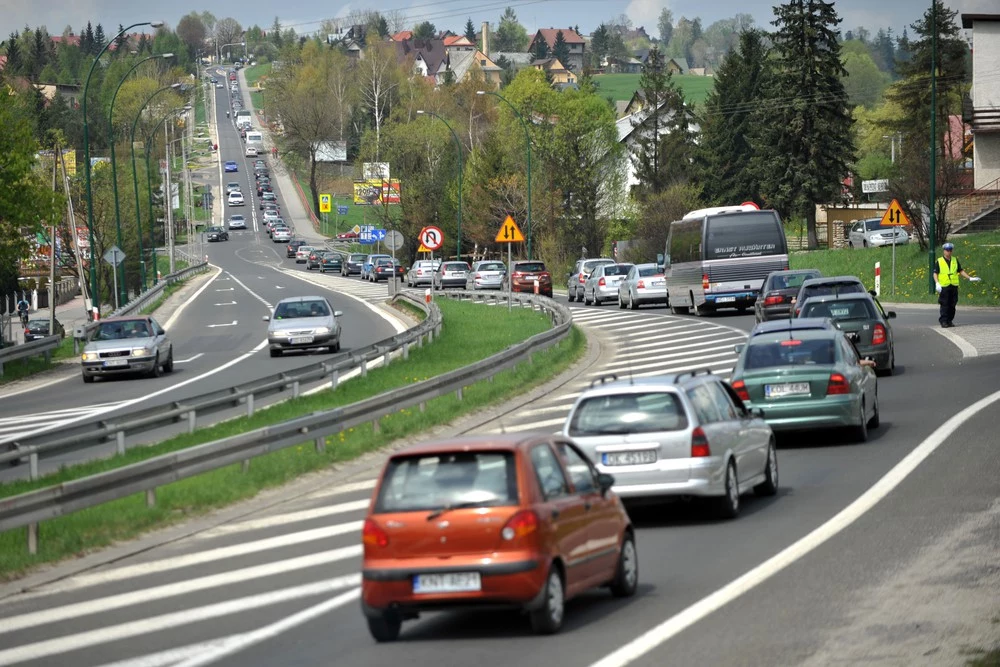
(947,269)
(274,151)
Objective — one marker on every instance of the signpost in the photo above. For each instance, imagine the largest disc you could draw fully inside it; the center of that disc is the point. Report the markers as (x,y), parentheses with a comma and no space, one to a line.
(894,216)
(325,203)
(510,234)
(341,209)
(114,256)
(872,187)
(431,238)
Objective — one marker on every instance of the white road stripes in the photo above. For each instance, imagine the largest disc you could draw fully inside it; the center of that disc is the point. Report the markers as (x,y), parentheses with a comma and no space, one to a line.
(289,565)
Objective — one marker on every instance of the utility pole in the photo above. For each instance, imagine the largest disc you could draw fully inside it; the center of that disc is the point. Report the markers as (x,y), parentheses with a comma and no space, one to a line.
(933,216)
(168,200)
(52,246)
(186,184)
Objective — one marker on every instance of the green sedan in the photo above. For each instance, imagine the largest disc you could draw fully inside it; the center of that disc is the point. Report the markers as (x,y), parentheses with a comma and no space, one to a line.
(863,315)
(807,375)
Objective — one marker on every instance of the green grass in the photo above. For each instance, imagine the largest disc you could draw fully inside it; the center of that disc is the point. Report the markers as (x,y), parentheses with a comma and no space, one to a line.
(200,115)
(164,295)
(979,255)
(623,86)
(163,263)
(985,659)
(22,368)
(356,215)
(462,342)
(254,74)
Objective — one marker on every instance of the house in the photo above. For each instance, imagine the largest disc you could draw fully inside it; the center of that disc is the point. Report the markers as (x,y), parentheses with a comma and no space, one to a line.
(574,41)
(555,71)
(439,63)
(350,39)
(70,92)
(623,65)
(984,114)
(462,62)
(702,71)
(674,67)
(630,128)
(456,43)
(402,36)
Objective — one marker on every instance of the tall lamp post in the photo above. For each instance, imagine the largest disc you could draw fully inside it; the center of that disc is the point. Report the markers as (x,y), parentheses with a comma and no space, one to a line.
(932,238)
(461,169)
(86,159)
(114,173)
(527,146)
(135,186)
(243,44)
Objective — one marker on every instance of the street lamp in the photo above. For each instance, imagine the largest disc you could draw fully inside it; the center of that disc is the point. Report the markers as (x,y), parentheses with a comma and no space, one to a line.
(135,185)
(114,172)
(527,145)
(458,145)
(86,158)
(243,44)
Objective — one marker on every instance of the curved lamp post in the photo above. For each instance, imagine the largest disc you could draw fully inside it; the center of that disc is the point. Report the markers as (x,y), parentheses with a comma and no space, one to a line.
(135,184)
(114,172)
(86,158)
(461,169)
(527,144)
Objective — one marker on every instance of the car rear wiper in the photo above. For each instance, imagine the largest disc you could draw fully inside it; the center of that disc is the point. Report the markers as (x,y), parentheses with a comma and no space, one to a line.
(454,506)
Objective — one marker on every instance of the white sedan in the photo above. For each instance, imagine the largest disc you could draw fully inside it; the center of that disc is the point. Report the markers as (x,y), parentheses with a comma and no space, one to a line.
(302,254)
(869,233)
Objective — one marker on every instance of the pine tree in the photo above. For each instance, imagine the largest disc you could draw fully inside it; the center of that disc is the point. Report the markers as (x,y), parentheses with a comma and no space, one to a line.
(15,59)
(470,31)
(99,39)
(560,50)
(39,53)
(87,41)
(725,149)
(541,51)
(803,145)
(121,42)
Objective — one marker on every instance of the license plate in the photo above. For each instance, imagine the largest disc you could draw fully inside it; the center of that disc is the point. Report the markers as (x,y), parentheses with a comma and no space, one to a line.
(840,312)
(116,362)
(629,458)
(301,340)
(452,582)
(658,283)
(787,389)
(726,299)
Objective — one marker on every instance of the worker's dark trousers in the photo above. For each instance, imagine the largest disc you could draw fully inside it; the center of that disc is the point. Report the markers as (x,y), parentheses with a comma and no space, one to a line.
(947,300)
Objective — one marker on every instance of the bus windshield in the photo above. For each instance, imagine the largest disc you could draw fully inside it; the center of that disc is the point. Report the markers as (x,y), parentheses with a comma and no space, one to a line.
(745,234)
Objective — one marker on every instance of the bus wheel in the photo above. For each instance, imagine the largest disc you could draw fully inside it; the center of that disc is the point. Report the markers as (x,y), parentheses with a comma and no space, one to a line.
(699,311)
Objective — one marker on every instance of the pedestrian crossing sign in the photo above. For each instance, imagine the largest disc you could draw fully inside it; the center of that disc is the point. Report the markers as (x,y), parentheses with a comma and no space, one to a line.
(325,203)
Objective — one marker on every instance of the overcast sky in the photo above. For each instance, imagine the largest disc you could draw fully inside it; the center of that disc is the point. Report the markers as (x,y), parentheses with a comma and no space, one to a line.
(304,15)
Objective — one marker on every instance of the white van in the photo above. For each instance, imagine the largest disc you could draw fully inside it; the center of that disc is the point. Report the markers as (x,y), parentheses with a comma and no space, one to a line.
(243,117)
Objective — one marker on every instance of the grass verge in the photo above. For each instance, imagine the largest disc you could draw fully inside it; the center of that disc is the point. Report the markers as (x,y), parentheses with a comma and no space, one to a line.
(22,368)
(462,341)
(979,254)
(623,86)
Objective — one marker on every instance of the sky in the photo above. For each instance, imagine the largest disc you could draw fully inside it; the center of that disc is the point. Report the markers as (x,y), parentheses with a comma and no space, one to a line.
(305,15)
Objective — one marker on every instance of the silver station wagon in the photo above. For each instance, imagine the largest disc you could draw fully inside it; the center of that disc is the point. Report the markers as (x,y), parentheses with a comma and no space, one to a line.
(675,435)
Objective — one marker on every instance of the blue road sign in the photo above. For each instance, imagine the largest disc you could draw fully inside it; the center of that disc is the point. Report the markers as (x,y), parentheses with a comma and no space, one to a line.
(367,228)
(366,241)
(378,234)
(341,210)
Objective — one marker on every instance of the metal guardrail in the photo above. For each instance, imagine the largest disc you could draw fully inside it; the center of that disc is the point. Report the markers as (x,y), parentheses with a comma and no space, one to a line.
(32,349)
(30,508)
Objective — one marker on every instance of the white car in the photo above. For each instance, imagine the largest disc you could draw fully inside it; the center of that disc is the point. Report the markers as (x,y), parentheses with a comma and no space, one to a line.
(302,254)
(251,151)
(870,233)
(237,222)
(236,199)
(271,215)
(282,235)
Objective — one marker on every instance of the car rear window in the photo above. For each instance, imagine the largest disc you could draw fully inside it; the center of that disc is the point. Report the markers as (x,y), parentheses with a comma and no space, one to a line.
(790,281)
(357,258)
(617,269)
(790,352)
(432,481)
(456,266)
(645,272)
(530,267)
(628,413)
(834,288)
(850,309)
(491,266)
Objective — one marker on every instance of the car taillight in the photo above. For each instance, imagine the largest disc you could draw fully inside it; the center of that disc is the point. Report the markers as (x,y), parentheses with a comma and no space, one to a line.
(838,385)
(583,279)
(477,276)
(640,285)
(523,523)
(878,335)
(740,388)
(774,300)
(699,443)
(601,282)
(373,535)
(704,281)
(518,275)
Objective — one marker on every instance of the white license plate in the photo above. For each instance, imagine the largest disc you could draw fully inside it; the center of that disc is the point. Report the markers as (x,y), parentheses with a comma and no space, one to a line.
(840,312)
(726,299)
(300,340)
(629,458)
(452,582)
(658,283)
(116,362)
(787,389)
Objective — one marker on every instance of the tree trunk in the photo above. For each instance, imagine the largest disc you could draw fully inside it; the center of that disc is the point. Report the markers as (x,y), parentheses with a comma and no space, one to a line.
(810,214)
(312,181)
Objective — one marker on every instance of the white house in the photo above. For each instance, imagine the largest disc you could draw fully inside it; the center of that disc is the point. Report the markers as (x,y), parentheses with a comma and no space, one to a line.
(985,97)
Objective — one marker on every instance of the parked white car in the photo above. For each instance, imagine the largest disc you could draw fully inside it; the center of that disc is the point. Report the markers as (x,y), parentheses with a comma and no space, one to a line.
(870,233)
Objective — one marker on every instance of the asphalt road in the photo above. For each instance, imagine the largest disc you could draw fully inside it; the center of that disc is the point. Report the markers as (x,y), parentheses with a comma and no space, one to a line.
(278,585)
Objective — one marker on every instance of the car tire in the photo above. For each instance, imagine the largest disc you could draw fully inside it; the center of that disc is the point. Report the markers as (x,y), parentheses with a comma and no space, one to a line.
(586,301)
(547,620)
(876,418)
(571,297)
(275,353)
(385,628)
(632,303)
(87,379)
(156,371)
(597,301)
(861,430)
(621,303)
(769,486)
(728,506)
(168,367)
(626,580)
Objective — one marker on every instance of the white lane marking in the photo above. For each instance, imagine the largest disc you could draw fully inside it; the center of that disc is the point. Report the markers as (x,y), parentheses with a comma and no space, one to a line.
(228,303)
(46,648)
(216,326)
(652,638)
(287,518)
(564,407)
(226,289)
(177,313)
(654,363)
(531,426)
(264,301)
(632,348)
(199,558)
(172,656)
(964,346)
(715,368)
(182,587)
(629,361)
(278,287)
(245,641)
(190,359)
(346,488)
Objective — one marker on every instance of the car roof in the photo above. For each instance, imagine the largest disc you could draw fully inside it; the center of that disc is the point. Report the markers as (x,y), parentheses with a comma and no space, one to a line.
(301,299)
(473,443)
(615,384)
(797,324)
(833,280)
(647,265)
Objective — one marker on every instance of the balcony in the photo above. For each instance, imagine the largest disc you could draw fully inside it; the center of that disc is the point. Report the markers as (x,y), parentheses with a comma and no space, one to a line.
(985,119)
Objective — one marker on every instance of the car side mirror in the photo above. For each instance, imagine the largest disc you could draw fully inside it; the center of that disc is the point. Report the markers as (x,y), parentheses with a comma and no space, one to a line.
(738,348)
(872,292)
(891,314)
(266,318)
(338,313)
(605,482)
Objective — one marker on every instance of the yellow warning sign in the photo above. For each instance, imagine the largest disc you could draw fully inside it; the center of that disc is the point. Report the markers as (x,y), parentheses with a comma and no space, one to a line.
(424,248)
(324,203)
(509,232)
(895,216)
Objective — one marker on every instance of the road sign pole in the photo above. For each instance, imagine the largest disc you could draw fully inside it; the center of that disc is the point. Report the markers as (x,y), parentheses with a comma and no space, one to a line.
(114,271)
(510,279)
(893,262)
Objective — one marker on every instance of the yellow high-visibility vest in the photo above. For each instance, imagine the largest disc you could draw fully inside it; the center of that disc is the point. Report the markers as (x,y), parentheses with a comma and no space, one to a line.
(947,273)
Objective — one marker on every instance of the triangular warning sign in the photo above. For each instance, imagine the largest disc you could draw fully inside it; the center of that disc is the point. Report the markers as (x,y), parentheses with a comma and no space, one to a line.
(423,248)
(895,216)
(509,232)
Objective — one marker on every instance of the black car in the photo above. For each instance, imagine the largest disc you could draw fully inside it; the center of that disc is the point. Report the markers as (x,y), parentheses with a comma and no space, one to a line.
(293,246)
(387,268)
(264,185)
(331,261)
(353,264)
(778,291)
(217,234)
(38,329)
(261,172)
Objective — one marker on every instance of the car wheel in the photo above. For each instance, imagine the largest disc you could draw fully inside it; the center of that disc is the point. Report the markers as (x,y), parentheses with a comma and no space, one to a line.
(155,371)
(572,297)
(861,430)
(769,486)
(169,366)
(275,353)
(548,619)
(385,628)
(876,418)
(586,301)
(632,303)
(597,300)
(729,504)
(621,302)
(626,579)
(87,379)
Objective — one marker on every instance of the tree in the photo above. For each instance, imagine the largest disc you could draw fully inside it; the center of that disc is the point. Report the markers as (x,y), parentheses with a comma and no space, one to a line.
(87,41)
(425,30)
(274,34)
(121,41)
(378,80)
(99,39)
(192,31)
(682,40)
(510,35)
(15,59)
(227,31)
(597,50)
(470,31)
(541,51)
(666,25)
(725,148)
(560,49)
(864,83)
(803,144)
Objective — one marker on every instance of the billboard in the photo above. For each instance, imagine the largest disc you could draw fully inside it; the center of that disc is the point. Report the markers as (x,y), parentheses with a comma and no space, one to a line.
(375,192)
(331,151)
(69,155)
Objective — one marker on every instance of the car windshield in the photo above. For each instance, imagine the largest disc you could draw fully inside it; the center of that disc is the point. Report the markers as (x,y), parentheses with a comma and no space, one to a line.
(296,309)
(875,224)
(790,280)
(849,309)
(530,267)
(121,330)
(628,413)
(215,229)
(438,481)
(790,352)
(38,325)
(646,271)
(237,218)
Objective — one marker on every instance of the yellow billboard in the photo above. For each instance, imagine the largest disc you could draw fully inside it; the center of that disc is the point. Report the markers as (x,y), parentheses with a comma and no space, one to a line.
(45,161)
(374,192)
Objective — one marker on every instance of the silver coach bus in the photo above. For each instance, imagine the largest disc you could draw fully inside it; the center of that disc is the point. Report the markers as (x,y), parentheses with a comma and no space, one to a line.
(718,257)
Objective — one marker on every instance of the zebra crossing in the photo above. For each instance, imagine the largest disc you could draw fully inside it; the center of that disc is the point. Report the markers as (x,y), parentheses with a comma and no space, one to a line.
(221,591)
(14,426)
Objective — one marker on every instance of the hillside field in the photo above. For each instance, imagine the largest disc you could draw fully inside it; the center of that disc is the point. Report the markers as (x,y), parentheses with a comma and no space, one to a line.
(622,86)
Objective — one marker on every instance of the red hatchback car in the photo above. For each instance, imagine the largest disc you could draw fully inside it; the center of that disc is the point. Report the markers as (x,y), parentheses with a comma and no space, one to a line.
(523,275)
(509,521)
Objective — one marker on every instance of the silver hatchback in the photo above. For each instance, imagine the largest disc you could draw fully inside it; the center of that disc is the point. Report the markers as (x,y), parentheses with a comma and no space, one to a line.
(602,284)
(675,435)
(303,323)
(645,283)
(487,274)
